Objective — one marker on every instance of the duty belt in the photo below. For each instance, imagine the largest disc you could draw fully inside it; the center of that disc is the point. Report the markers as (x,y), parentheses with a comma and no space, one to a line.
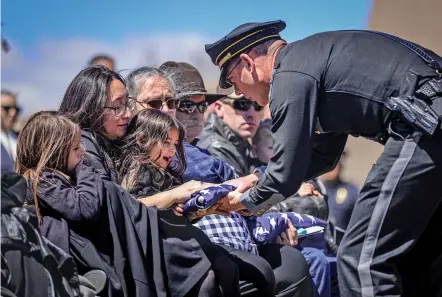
(414,107)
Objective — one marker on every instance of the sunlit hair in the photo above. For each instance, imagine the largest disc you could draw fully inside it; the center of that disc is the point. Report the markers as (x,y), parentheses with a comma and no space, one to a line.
(44,144)
(147,130)
(137,77)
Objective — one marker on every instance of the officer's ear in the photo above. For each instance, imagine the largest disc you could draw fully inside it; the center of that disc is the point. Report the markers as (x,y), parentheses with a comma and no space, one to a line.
(248,62)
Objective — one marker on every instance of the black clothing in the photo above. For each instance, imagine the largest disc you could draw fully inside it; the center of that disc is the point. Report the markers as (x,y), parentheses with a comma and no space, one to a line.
(224,144)
(150,252)
(334,84)
(68,204)
(147,179)
(30,264)
(391,223)
(98,155)
(273,268)
(311,205)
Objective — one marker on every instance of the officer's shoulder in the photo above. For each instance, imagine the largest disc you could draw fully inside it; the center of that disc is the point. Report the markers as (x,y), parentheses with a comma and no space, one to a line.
(311,46)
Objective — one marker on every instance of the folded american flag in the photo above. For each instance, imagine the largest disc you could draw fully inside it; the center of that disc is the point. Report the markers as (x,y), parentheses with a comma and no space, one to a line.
(267,227)
(206,198)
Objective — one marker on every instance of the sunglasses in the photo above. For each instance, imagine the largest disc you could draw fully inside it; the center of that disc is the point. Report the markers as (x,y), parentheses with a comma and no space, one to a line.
(158,104)
(190,106)
(243,104)
(7,108)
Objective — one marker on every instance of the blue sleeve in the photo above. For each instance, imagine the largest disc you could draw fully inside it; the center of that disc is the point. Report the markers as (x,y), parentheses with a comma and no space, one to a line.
(205,168)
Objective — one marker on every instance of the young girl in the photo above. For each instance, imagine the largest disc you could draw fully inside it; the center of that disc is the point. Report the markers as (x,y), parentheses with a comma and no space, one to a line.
(66,193)
(148,166)
(153,156)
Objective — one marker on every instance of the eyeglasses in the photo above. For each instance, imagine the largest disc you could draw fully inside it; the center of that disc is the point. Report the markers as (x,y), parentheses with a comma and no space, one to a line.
(231,70)
(120,109)
(190,106)
(6,108)
(158,104)
(243,104)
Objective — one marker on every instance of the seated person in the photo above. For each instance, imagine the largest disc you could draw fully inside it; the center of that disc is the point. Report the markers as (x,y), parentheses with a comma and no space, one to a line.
(31,264)
(153,161)
(97,100)
(153,88)
(192,97)
(227,132)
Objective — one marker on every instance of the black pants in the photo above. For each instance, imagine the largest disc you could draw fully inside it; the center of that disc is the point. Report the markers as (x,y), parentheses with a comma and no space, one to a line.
(278,271)
(397,220)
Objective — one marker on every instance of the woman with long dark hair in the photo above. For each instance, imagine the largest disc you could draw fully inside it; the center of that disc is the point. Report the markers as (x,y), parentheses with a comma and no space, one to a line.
(97,100)
(152,253)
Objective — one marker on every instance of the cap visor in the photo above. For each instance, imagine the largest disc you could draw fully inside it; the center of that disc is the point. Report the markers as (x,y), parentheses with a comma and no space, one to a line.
(223,84)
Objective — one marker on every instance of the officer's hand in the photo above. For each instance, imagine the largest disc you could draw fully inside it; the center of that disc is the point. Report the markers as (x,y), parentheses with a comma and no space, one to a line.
(290,235)
(232,202)
(244,183)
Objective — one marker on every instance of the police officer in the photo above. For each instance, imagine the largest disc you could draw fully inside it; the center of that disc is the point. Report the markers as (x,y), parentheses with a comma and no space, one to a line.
(330,85)
(341,199)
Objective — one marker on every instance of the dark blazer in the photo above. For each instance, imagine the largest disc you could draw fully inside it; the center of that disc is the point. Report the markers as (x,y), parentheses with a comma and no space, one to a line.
(152,253)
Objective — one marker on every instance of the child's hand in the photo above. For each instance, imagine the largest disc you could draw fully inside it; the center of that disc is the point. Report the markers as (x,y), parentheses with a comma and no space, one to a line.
(178,209)
(306,189)
(78,167)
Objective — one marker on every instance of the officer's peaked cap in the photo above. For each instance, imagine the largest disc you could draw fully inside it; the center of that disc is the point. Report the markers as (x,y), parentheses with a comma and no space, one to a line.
(241,39)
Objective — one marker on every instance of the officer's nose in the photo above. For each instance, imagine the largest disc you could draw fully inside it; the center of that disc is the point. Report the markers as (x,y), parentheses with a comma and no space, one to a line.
(237,91)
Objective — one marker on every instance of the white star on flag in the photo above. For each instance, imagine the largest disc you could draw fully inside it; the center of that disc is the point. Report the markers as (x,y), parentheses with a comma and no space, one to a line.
(261,231)
(300,219)
(312,218)
(204,192)
(273,222)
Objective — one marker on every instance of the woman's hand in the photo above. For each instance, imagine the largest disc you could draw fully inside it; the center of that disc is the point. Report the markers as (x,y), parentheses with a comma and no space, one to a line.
(175,196)
(182,193)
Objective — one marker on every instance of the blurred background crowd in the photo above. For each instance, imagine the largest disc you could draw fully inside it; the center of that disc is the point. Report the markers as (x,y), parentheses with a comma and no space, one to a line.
(47,42)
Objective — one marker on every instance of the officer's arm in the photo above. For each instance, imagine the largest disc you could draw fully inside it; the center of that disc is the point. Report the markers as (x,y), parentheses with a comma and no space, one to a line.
(293,107)
(326,151)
